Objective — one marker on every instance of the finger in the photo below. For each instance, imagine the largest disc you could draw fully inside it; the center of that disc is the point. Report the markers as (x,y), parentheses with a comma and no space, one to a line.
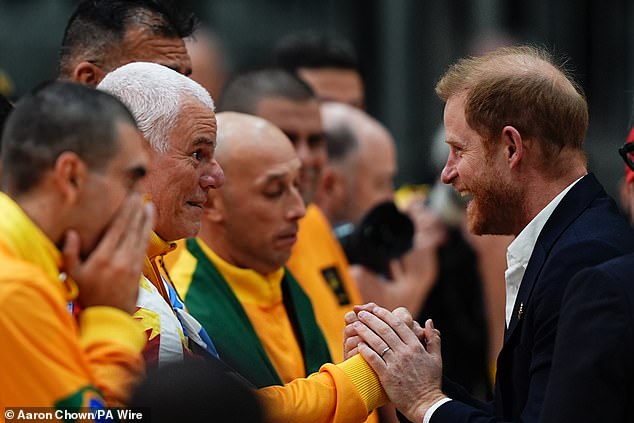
(349,330)
(370,337)
(404,314)
(118,228)
(374,360)
(352,342)
(138,236)
(418,331)
(381,329)
(350,353)
(134,226)
(367,307)
(150,220)
(432,337)
(403,332)
(350,317)
(70,253)
(350,346)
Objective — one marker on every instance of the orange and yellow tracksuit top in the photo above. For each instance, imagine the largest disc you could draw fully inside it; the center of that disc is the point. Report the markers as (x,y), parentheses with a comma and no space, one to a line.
(50,356)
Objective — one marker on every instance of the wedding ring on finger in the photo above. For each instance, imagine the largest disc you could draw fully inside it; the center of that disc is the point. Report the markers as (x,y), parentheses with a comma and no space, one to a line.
(386,349)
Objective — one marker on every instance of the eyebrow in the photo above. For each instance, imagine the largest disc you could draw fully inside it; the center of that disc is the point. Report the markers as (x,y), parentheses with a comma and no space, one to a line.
(273,177)
(205,141)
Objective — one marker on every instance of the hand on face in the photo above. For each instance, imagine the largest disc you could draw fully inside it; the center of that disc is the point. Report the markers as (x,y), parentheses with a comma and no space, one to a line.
(110,275)
(410,373)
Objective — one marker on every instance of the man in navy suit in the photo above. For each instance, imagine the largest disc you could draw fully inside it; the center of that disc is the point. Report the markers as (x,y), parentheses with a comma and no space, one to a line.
(515,123)
(592,378)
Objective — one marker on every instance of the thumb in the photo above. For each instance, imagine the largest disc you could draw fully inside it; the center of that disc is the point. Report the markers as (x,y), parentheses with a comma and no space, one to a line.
(432,338)
(70,252)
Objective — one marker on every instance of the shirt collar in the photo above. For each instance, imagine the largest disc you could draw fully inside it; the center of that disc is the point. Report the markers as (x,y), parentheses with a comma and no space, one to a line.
(158,246)
(521,249)
(247,284)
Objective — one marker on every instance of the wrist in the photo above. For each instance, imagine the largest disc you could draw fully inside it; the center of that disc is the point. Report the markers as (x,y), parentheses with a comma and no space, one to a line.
(417,412)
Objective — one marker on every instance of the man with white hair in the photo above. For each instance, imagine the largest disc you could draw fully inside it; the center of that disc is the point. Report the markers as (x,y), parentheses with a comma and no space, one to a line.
(176,116)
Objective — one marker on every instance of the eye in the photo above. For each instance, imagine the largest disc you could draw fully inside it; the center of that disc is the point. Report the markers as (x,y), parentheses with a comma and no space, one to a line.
(292,137)
(316,141)
(457,151)
(274,191)
(197,155)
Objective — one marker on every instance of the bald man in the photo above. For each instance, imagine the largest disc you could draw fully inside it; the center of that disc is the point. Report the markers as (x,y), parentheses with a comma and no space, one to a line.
(359,175)
(361,164)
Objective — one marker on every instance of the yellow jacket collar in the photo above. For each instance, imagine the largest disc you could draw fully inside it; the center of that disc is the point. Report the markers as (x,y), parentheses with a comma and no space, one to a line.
(248,285)
(158,246)
(22,238)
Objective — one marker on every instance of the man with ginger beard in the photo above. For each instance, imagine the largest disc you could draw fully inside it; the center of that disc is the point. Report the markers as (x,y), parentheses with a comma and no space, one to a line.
(515,124)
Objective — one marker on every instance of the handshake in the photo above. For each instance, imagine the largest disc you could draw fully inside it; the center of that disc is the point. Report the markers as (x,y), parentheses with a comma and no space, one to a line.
(405,356)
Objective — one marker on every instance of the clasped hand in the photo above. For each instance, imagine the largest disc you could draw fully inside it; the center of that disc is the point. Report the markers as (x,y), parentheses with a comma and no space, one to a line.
(405,356)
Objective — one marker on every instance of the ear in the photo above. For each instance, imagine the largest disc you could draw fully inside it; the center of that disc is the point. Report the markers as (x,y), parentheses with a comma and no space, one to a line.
(88,73)
(329,186)
(71,174)
(214,209)
(513,145)
(328,180)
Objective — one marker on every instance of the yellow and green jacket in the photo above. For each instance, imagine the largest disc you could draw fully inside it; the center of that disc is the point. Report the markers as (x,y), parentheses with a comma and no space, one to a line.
(248,320)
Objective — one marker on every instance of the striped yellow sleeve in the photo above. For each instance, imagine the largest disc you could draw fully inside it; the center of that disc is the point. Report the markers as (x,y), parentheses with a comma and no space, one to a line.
(343,393)
(365,381)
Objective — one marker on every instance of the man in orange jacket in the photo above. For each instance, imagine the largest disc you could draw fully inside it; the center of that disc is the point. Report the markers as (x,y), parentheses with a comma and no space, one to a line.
(73,235)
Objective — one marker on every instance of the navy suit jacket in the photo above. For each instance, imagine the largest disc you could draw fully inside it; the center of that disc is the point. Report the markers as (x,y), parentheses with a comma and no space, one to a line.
(584,230)
(592,379)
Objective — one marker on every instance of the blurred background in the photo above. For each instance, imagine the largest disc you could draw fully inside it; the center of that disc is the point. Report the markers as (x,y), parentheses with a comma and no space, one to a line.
(403,45)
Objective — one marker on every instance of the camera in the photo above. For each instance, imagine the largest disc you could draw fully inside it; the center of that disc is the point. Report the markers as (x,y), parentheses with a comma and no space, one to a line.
(384,234)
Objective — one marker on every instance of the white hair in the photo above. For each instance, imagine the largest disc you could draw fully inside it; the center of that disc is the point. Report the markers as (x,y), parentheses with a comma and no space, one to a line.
(154,94)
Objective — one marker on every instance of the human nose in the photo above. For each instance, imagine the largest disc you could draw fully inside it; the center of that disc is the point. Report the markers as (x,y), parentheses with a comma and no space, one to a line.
(297,209)
(214,177)
(303,152)
(449,171)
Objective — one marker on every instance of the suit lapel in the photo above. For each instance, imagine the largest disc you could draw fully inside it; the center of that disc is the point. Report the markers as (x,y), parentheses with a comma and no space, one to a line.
(570,207)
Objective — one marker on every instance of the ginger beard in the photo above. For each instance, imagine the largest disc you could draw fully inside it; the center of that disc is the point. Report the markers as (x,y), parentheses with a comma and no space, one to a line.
(496,207)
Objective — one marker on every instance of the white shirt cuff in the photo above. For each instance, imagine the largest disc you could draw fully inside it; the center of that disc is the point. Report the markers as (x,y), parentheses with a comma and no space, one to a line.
(430,410)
